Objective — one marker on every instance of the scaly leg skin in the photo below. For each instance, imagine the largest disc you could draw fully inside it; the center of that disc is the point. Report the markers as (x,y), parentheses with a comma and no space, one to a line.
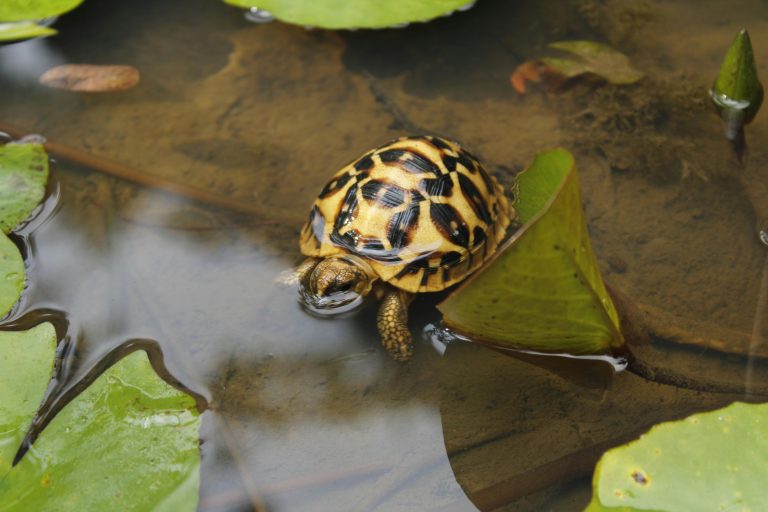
(392,322)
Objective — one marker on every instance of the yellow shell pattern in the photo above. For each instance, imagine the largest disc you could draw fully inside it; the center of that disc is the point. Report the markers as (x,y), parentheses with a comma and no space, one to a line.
(421,210)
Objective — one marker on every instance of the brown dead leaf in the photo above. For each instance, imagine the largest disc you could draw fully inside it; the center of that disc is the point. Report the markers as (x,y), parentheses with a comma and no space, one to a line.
(91,77)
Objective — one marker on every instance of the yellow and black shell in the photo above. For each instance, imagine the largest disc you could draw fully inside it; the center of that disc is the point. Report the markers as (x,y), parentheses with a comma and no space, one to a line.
(422,211)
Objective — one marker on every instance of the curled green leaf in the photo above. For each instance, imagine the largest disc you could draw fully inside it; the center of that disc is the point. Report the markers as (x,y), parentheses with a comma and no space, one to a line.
(542,291)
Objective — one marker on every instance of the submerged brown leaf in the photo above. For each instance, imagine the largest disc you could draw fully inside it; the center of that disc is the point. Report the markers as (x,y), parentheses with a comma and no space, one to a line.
(586,57)
(91,77)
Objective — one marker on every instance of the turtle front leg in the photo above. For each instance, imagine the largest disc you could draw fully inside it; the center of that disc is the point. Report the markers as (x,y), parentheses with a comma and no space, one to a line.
(392,322)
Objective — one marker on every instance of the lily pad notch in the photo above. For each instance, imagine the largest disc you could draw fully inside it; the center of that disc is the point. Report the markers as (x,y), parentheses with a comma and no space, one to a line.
(542,291)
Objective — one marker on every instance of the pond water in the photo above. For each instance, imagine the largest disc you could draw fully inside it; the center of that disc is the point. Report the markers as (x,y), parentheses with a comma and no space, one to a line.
(311,414)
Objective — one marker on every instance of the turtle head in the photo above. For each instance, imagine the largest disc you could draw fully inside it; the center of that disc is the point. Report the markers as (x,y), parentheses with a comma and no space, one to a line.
(337,284)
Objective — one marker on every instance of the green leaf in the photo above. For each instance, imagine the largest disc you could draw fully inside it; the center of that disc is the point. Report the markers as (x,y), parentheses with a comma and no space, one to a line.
(542,291)
(128,442)
(737,87)
(13,275)
(29,10)
(23,30)
(358,14)
(596,58)
(26,368)
(708,461)
(23,177)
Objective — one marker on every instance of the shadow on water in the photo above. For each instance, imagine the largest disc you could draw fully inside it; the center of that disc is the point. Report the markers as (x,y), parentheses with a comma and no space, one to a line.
(306,414)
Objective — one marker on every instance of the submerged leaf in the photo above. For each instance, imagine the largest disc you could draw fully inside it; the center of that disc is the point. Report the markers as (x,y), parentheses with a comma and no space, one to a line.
(91,77)
(26,367)
(23,177)
(596,58)
(16,31)
(336,14)
(12,274)
(28,10)
(542,291)
(128,442)
(708,461)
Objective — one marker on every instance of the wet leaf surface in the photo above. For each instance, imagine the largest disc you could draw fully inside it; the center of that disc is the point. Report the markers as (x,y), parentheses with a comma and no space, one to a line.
(26,367)
(23,177)
(21,10)
(12,274)
(360,14)
(709,461)
(128,442)
(543,290)
(23,30)
(91,77)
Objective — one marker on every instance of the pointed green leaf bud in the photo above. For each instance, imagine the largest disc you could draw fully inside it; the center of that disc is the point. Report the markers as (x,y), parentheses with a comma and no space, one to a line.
(737,92)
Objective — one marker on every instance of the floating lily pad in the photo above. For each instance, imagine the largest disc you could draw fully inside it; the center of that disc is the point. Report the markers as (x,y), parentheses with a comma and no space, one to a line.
(28,10)
(23,177)
(23,30)
(708,461)
(593,57)
(359,14)
(542,291)
(26,368)
(128,442)
(13,275)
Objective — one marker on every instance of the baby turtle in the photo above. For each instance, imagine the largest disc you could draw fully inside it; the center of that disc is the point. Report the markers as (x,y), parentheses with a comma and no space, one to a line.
(416,215)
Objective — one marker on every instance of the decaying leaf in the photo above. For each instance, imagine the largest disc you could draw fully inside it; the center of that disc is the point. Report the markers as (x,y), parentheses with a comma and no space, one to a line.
(586,57)
(542,290)
(91,77)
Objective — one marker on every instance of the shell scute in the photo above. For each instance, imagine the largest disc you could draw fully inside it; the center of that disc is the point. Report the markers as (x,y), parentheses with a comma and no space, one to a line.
(421,210)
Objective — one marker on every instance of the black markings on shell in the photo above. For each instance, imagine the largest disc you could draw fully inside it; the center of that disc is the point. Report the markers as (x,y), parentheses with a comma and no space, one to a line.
(475,199)
(335,185)
(365,163)
(449,223)
(317,223)
(384,194)
(409,160)
(440,187)
(402,226)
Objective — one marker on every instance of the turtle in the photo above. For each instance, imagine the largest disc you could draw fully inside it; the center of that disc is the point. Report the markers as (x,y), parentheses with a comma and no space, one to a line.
(415,215)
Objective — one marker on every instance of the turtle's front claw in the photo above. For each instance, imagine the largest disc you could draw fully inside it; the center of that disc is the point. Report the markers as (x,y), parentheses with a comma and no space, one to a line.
(392,322)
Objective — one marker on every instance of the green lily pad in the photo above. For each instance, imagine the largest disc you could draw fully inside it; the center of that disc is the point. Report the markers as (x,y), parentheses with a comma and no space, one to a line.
(709,461)
(592,57)
(128,442)
(13,275)
(26,368)
(336,14)
(23,177)
(542,291)
(27,10)
(16,31)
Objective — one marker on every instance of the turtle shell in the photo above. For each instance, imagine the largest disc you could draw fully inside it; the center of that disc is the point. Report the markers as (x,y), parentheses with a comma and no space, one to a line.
(421,210)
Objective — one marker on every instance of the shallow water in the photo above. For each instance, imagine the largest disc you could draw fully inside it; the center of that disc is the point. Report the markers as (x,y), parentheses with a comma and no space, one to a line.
(310,414)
